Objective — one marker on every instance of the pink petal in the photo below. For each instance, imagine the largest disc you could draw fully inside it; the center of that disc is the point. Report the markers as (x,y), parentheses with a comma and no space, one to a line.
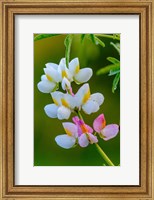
(92,138)
(75,119)
(90,130)
(70,129)
(83,140)
(99,123)
(81,126)
(71,91)
(110,131)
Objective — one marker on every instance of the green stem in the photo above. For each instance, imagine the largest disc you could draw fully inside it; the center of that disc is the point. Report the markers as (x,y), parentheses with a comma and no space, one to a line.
(104,156)
(79,115)
(108,36)
(101,152)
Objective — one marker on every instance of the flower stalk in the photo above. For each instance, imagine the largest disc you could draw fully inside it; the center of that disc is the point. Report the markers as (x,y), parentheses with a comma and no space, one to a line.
(104,156)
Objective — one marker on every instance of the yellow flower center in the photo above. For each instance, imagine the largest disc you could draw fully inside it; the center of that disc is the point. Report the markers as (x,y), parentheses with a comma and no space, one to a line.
(55,101)
(49,77)
(68,132)
(86,97)
(104,123)
(77,69)
(84,128)
(64,103)
(64,74)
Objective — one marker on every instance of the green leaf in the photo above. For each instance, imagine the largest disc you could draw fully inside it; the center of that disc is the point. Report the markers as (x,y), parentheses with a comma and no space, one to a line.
(116,36)
(42,36)
(98,41)
(113,60)
(92,37)
(115,82)
(107,69)
(68,42)
(116,46)
(114,71)
(82,37)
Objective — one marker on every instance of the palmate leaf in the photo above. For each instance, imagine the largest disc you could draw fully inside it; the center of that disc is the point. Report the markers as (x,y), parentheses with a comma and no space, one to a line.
(68,42)
(42,36)
(115,82)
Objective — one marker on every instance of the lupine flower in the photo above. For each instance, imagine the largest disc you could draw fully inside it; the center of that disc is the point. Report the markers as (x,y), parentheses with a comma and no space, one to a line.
(49,81)
(89,103)
(62,106)
(64,71)
(78,132)
(55,74)
(69,139)
(66,85)
(73,73)
(79,75)
(105,131)
(85,135)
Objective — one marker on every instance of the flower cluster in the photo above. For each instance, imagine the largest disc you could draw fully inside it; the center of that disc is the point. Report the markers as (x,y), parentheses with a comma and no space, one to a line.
(55,74)
(66,103)
(82,134)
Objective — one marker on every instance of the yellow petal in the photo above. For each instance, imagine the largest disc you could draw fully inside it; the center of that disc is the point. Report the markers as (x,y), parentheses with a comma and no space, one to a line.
(49,77)
(55,101)
(86,96)
(64,103)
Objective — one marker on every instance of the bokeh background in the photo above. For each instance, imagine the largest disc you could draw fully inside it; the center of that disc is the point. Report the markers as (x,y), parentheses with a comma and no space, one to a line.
(46,151)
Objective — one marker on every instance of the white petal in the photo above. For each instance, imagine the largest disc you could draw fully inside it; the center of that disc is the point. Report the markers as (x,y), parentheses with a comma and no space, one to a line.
(83,140)
(74,66)
(52,65)
(51,110)
(110,131)
(98,97)
(70,129)
(62,62)
(64,71)
(82,95)
(65,141)
(71,100)
(46,86)
(56,96)
(90,107)
(66,84)
(63,112)
(83,75)
(44,78)
(52,75)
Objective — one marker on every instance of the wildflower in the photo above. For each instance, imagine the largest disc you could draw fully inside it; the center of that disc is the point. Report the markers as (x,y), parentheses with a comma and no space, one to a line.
(69,139)
(89,103)
(79,133)
(55,74)
(105,131)
(85,135)
(49,81)
(64,71)
(62,107)
(79,75)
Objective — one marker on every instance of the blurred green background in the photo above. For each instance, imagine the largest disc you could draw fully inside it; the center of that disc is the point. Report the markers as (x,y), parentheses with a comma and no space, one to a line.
(46,151)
